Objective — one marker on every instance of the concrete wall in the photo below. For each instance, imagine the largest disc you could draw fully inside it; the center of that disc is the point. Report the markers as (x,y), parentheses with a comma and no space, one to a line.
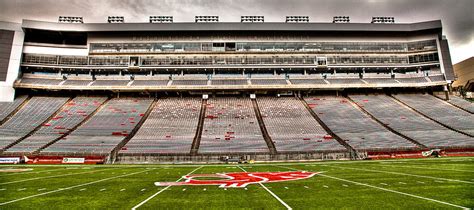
(13,32)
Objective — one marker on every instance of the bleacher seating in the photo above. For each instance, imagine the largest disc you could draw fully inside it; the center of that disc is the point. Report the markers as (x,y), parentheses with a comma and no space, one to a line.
(189,82)
(437,78)
(269,82)
(110,83)
(229,82)
(71,115)
(381,81)
(169,129)
(345,81)
(460,102)
(35,112)
(292,128)
(6,108)
(412,80)
(307,81)
(410,123)
(230,126)
(105,130)
(354,126)
(440,110)
(40,81)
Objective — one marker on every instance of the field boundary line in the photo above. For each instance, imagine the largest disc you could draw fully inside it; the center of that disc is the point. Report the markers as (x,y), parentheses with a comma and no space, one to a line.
(405,174)
(68,188)
(442,169)
(385,189)
(54,176)
(32,172)
(271,193)
(157,193)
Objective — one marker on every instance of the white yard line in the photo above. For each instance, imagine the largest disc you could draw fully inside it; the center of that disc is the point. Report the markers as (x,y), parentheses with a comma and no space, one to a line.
(157,193)
(393,191)
(68,188)
(384,189)
(53,176)
(405,174)
(271,193)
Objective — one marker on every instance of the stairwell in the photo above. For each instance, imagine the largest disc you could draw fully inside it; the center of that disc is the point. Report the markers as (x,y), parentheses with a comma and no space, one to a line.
(197,136)
(261,123)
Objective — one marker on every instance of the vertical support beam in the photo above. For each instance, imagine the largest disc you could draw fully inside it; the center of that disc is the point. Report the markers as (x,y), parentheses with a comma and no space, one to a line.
(198,134)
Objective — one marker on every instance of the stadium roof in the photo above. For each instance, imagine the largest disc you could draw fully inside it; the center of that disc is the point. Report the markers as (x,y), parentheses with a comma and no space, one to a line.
(231,26)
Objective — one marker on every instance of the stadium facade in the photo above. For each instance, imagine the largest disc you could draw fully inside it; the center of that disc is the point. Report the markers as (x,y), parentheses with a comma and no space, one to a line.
(94,61)
(223,56)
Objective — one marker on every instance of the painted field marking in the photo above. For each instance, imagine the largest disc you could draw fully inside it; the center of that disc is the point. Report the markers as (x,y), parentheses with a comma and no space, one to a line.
(440,169)
(121,190)
(42,189)
(405,174)
(46,177)
(142,190)
(32,172)
(82,189)
(68,188)
(420,182)
(103,189)
(157,193)
(325,186)
(393,191)
(389,190)
(384,184)
(21,189)
(271,193)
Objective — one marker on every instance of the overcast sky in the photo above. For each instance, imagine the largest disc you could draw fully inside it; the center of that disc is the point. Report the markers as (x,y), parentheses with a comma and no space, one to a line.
(457,15)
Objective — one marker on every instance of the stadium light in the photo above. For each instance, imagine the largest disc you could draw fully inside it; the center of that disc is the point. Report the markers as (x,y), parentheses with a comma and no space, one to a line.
(70,19)
(116,19)
(161,19)
(206,19)
(341,19)
(252,19)
(297,19)
(383,20)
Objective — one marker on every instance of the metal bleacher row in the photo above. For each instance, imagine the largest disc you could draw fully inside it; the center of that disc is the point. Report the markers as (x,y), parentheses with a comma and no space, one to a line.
(230,125)
(353,126)
(409,123)
(97,126)
(221,80)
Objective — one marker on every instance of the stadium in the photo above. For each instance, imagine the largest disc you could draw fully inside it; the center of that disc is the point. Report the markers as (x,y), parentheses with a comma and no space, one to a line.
(249,114)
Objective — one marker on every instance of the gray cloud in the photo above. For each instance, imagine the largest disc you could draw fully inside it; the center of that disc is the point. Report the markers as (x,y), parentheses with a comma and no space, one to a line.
(457,15)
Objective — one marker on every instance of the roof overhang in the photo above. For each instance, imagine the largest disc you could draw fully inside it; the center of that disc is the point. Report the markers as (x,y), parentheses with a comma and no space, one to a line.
(231,26)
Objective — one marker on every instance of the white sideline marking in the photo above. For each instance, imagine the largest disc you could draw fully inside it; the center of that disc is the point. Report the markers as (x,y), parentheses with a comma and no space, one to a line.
(388,190)
(68,188)
(393,191)
(45,177)
(440,169)
(32,172)
(157,193)
(405,174)
(271,193)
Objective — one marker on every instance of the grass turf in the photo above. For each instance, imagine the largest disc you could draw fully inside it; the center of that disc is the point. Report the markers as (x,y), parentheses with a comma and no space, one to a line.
(442,183)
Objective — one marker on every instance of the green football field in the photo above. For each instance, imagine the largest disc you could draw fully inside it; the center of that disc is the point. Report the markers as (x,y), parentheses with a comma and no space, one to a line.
(441,183)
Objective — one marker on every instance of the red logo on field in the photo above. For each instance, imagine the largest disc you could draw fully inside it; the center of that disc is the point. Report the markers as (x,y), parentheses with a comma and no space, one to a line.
(240,179)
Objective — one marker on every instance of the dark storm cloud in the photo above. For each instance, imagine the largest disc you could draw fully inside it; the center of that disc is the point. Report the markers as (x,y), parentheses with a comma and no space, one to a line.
(457,15)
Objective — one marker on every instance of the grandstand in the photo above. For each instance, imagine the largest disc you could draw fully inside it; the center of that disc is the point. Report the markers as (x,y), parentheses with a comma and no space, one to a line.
(205,91)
